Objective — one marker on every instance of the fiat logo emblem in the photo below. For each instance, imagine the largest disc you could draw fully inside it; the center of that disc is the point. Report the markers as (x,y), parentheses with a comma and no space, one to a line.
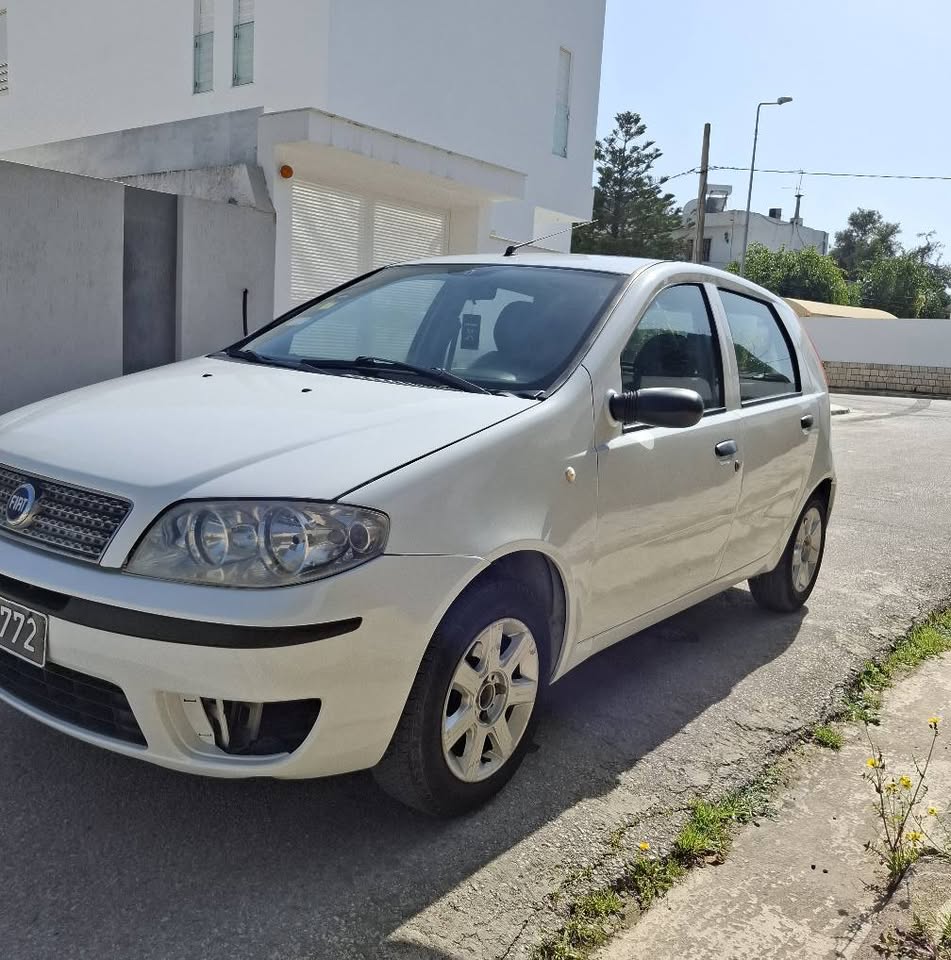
(21,506)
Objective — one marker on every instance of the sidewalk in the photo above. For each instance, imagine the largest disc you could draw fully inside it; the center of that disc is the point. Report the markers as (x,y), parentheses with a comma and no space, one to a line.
(801,885)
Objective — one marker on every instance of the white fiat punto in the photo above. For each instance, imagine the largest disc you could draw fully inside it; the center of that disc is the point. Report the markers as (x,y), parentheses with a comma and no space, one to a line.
(372,534)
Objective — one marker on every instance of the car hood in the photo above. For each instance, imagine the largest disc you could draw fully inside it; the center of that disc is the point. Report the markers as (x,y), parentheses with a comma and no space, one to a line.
(216,427)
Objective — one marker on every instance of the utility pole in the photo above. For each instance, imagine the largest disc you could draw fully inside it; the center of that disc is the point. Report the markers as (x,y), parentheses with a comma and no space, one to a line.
(702,196)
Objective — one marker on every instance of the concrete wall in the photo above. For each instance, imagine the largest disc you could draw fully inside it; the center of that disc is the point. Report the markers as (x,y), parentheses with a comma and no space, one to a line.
(189,144)
(61,266)
(150,262)
(98,279)
(223,249)
(884,378)
(906,342)
(884,356)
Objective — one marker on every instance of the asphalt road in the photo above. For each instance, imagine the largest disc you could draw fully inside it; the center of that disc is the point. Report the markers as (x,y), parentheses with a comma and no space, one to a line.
(104,857)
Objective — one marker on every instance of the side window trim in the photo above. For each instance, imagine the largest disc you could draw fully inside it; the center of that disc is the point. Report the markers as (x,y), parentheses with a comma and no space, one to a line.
(711,302)
(784,333)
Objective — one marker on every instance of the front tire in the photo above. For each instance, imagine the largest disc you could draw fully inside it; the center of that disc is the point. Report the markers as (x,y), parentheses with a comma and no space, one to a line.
(473,707)
(787,587)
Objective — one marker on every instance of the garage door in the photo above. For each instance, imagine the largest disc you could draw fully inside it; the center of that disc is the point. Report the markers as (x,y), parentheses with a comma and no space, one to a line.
(336,235)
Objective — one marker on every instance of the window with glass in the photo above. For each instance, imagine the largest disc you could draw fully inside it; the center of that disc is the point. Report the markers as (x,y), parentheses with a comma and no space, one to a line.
(506,328)
(675,345)
(764,354)
(4,61)
(204,59)
(562,104)
(243,71)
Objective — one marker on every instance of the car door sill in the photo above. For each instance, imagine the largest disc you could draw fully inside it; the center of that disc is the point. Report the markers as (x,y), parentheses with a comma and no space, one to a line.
(592,645)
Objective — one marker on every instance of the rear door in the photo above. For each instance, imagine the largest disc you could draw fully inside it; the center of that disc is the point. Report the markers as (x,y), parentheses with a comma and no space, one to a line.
(778,429)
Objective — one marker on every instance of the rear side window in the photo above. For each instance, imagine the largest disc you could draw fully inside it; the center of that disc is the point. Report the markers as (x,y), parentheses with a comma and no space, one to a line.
(764,353)
(675,345)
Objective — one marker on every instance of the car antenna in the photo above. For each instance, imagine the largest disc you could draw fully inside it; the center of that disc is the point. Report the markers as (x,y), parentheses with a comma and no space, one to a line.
(510,250)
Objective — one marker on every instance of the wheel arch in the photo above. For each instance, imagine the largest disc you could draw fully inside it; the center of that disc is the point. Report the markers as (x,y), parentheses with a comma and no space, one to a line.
(542,574)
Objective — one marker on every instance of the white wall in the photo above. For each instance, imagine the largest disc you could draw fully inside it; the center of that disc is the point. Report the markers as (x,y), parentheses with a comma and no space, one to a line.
(478,79)
(725,231)
(475,78)
(925,343)
(80,69)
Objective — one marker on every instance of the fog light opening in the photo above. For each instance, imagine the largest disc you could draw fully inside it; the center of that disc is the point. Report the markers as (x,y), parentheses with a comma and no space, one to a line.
(260,729)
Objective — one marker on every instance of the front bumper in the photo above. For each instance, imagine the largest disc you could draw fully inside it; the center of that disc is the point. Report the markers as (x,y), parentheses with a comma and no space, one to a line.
(146,638)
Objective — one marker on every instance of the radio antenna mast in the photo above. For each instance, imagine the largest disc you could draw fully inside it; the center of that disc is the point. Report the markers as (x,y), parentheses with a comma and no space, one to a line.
(510,250)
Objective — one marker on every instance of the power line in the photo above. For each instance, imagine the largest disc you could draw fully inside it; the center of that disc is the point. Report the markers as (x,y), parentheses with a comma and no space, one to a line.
(827,173)
(684,173)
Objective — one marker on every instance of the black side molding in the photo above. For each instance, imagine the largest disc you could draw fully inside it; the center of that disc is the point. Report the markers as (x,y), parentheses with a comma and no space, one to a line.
(153,626)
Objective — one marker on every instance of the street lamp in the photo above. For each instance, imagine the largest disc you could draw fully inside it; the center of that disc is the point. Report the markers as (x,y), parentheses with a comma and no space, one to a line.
(749,194)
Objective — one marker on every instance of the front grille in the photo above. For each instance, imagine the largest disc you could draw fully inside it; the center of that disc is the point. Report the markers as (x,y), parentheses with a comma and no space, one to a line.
(67,519)
(65,694)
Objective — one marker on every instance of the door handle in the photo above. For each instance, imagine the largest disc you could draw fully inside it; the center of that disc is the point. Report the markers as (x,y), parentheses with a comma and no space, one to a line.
(807,421)
(725,448)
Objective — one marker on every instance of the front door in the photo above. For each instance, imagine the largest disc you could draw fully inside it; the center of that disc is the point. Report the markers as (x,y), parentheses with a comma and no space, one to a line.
(666,497)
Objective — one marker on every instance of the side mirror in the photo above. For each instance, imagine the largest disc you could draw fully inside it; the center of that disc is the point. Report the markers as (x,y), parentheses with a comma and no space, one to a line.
(657,407)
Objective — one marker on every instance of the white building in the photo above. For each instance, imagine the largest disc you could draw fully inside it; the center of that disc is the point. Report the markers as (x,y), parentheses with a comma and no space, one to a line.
(384,130)
(723,230)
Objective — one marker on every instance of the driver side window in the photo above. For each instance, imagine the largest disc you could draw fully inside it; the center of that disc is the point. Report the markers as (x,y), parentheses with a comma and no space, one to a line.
(675,345)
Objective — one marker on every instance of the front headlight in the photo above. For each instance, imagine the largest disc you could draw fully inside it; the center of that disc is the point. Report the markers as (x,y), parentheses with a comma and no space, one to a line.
(251,543)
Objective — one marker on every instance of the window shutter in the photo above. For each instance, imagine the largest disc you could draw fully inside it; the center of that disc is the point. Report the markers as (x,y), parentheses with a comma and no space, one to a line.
(325,239)
(405,233)
(336,235)
(4,63)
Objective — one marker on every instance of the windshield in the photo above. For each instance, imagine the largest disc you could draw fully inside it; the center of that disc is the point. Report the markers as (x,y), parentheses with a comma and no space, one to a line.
(503,327)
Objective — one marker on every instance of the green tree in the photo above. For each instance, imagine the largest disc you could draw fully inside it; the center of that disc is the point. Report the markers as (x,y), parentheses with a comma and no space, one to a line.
(634,216)
(797,273)
(901,285)
(937,302)
(867,238)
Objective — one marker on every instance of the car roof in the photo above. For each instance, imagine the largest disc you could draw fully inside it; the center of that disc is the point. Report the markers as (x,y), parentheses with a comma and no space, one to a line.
(535,258)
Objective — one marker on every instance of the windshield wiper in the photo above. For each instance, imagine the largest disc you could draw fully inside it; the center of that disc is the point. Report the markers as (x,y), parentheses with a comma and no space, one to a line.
(434,374)
(253,356)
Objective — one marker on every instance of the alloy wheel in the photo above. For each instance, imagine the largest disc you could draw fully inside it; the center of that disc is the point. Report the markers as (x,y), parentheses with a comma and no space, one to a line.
(490,700)
(805,557)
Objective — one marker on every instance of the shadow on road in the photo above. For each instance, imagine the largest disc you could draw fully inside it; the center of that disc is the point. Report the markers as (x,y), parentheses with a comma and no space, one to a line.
(102,856)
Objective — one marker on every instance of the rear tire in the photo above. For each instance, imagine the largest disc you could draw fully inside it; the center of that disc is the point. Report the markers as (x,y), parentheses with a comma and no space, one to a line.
(787,587)
(474,704)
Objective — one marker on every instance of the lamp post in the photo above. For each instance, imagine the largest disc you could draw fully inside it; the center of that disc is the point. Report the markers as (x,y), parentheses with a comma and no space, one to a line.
(749,193)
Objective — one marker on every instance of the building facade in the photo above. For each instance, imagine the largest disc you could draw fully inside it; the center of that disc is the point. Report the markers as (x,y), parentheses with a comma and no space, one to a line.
(376,131)
(724,230)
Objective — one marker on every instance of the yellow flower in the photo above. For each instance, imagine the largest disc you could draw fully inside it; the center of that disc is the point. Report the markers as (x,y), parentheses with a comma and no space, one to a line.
(932,811)
(644,845)
(914,836)
(905,783)
(933,722)
(891,786)
(872,762)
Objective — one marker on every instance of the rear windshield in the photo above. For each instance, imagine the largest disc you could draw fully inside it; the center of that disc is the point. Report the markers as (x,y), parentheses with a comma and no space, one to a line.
(504,327)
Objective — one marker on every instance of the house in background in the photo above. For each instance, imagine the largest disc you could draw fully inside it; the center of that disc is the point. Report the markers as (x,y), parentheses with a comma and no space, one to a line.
(375,131)
(723,229)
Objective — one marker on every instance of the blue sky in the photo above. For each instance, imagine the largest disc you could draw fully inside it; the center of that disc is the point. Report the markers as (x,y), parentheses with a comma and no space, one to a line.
(870,82)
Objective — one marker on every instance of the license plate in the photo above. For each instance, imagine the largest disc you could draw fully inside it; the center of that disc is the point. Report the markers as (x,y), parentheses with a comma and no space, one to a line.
(22,632)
